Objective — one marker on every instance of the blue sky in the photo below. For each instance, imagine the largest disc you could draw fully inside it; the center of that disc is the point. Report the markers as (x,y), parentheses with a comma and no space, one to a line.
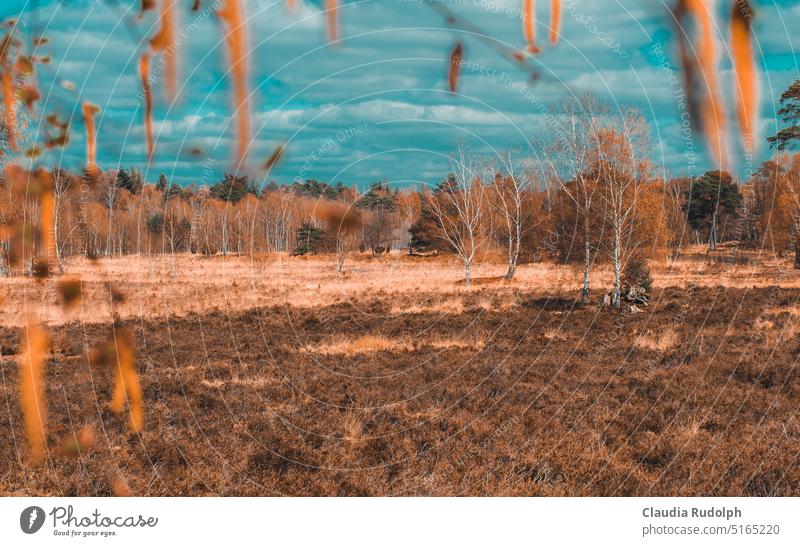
(376,105)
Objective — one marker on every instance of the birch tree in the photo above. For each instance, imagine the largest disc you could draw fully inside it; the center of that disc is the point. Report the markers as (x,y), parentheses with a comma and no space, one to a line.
(459,207)
(510,193)
(62,183)
(568,158)
(621,170)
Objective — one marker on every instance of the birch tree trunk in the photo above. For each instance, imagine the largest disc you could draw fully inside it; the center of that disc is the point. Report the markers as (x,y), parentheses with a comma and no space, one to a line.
(587,262)
(615,297)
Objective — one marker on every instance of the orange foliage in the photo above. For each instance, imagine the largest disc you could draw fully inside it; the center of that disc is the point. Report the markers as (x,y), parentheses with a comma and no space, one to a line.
(555,21)
(46,215)
(275,157)
(31,385)
(455,66)
(126,380)
(164,42)
(89,110)
(120,487)
(60,139)
(712,110)
(144,76)
(10,108)
(35,185)
(529,25)
(340,217)
(745,69)
(332,7)
(236,40)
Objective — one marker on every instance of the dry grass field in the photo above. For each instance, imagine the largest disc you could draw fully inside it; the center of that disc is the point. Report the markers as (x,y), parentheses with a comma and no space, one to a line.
(276,376)
(185,284)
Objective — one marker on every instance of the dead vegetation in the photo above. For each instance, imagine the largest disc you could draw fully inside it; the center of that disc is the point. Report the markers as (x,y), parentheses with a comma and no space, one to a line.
(545,398)
(184,284)
(657,341)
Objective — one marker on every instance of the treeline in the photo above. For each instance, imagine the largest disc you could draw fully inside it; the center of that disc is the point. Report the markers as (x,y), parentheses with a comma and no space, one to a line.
(587,195)
(119,213)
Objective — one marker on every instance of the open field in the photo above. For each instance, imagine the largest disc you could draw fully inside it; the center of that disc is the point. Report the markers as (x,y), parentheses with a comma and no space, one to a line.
(275,376)
(183,284)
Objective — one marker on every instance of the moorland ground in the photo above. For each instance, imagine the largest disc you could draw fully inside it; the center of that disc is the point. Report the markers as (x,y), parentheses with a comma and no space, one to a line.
(273,375)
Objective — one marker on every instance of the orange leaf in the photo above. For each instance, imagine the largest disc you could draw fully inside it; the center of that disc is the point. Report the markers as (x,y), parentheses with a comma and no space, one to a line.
(555,21)
(745,70)
(126,382)
(456,57)
(89,110)
(9,108)
(164,42)
(144,76)
(31,384)
(332,8)
(236,40)
(529,25)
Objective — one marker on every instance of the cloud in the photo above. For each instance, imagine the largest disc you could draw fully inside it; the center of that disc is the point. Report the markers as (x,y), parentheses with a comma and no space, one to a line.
(387,75)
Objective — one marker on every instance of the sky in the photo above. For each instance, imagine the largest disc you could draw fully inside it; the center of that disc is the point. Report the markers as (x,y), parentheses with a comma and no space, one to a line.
(375,106)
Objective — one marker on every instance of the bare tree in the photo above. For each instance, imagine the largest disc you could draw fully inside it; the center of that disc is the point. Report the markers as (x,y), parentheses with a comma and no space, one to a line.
(458,205)
(344,222)
(621,170)
(568,157)
(510,193)
(62,183)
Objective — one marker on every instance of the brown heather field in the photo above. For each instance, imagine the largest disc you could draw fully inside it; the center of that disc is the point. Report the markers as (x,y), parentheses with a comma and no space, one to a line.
(276,376)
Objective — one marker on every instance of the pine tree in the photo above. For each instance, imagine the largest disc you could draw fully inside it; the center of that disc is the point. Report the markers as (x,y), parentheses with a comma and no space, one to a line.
(788,137)
(129,181)
(167,188)
(308,240)
(711,196)
(232,188)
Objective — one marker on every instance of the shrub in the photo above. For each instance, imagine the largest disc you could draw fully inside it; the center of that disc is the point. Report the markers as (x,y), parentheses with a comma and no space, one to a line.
(637,273)
(155,223)
(308,240)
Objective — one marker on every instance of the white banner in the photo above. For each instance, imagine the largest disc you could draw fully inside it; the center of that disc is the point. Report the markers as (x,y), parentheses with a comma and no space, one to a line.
(398,521)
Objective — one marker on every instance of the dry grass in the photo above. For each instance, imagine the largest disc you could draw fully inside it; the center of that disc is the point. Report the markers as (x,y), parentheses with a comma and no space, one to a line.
(448,306)
(369,344)
(525,416)
(448,343)
(762,324)
(362,345)
(775,334)
(167,285)
(793,312)
(554,333)
(657,341)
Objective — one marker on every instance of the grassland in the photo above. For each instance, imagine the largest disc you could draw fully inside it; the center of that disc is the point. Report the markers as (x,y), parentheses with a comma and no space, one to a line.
(275,376)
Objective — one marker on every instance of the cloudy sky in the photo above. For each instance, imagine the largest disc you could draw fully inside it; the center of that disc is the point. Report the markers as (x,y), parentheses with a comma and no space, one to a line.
(376,105)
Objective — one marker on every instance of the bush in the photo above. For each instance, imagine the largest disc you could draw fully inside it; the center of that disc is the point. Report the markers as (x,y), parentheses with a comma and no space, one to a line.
(155,223)
(637,273)
(308,240)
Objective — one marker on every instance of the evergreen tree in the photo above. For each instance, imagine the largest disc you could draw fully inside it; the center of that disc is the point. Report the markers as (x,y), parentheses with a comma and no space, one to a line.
(168,189)
(314,188)
(129,181)
(788,137)
(232,188)
(379,197)
(710,198)
(162,183)
(309,239)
